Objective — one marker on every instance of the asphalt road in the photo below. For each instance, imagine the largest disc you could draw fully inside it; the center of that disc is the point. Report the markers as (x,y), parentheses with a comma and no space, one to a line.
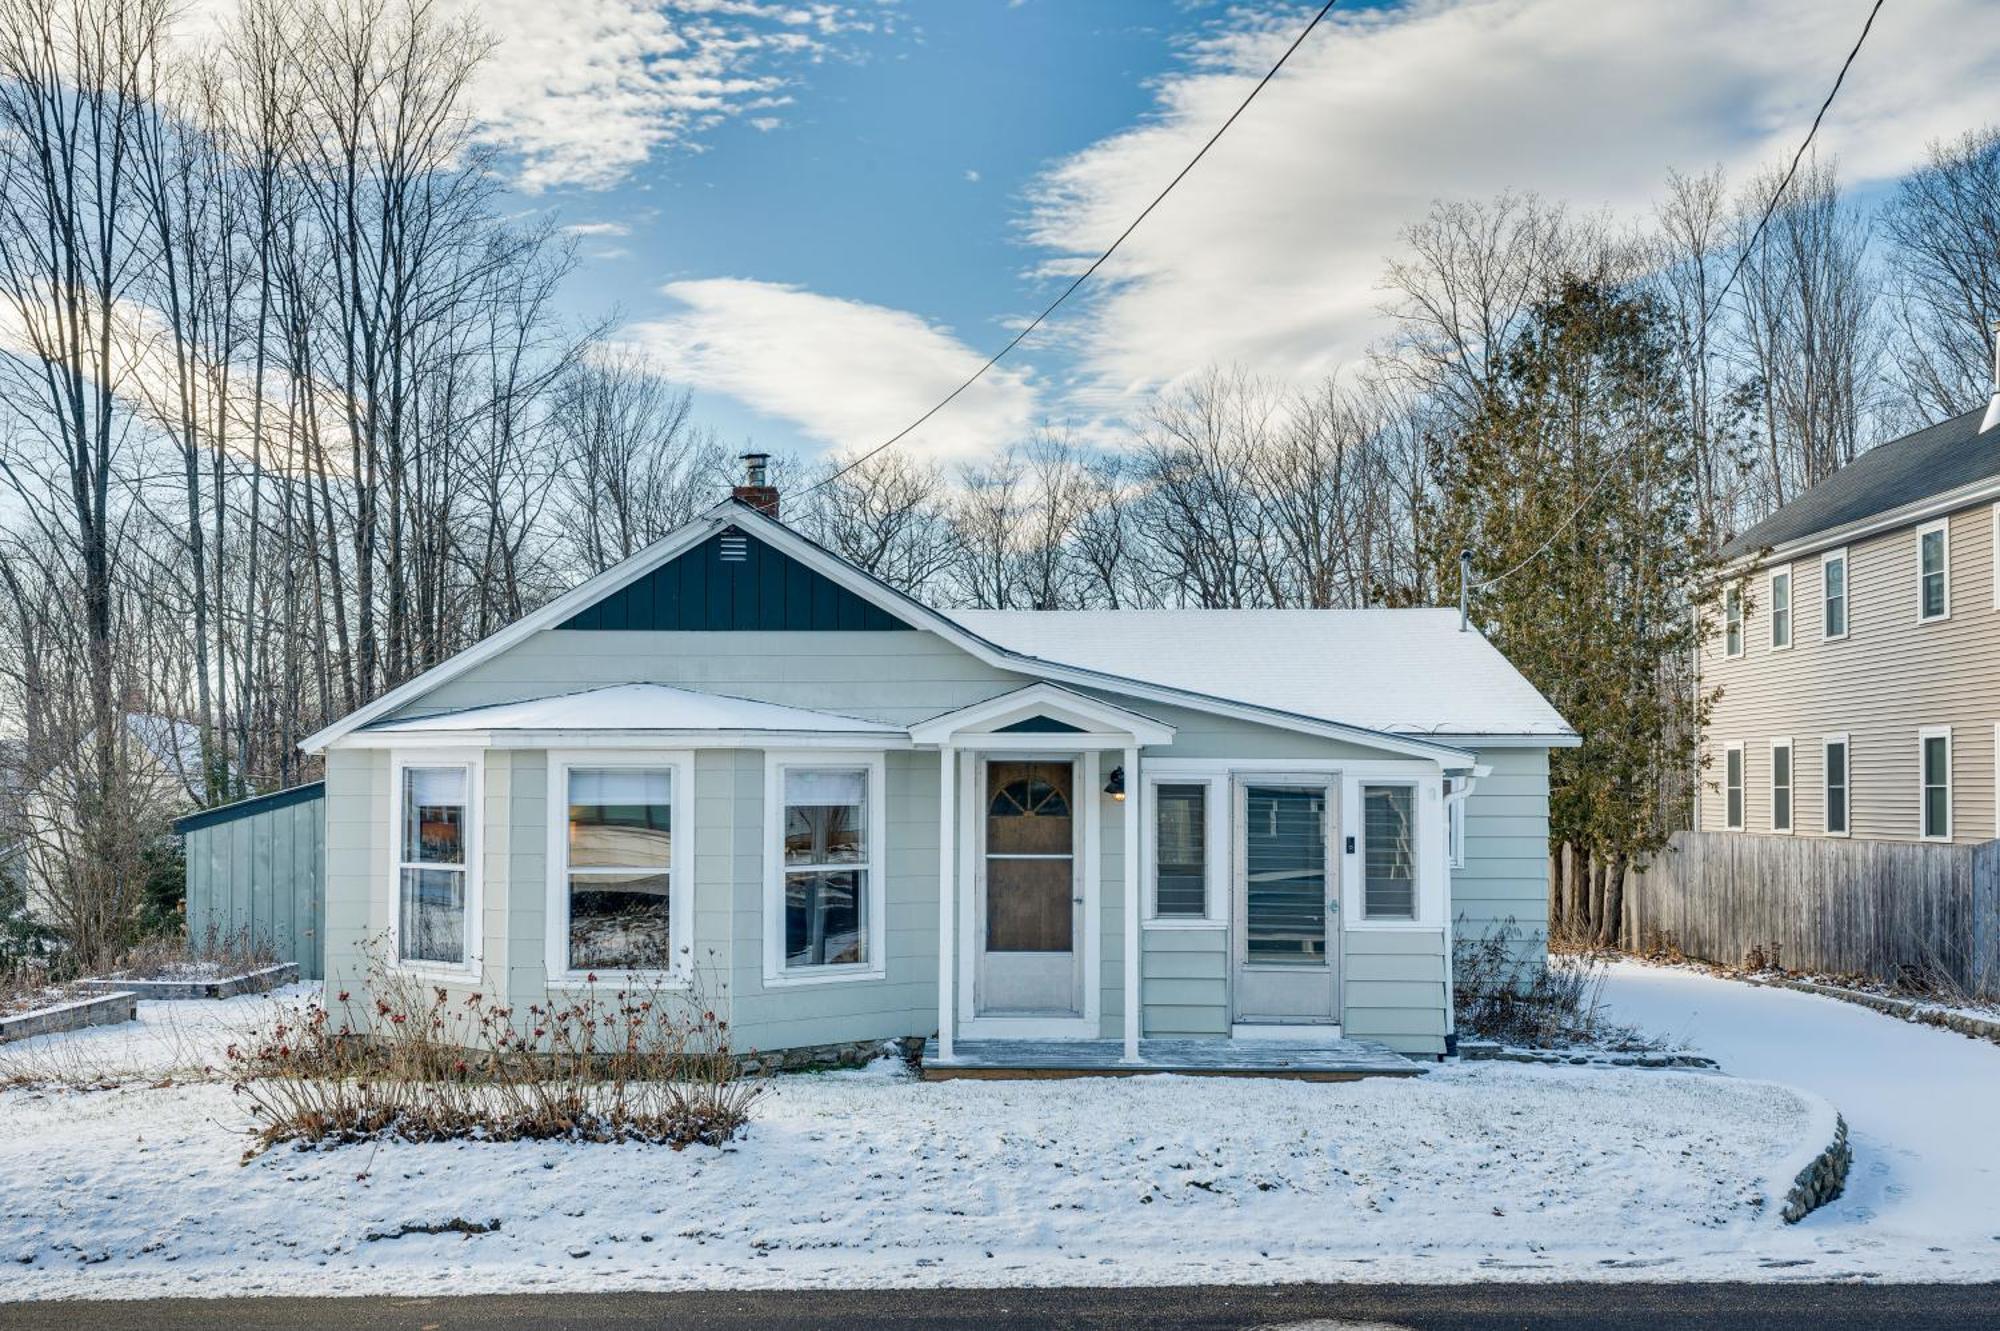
(1601,1307)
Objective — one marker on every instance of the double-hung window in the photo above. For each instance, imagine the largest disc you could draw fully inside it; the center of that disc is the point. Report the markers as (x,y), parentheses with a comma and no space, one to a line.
(1732,622)
(1389,852)
(1833,595)
(619,866)
(1180,850)
(824,908)
(1934,776)
(1732,787)
(1834,747)
(435,881)
(1781,785)
(1781,610)
(1934,571)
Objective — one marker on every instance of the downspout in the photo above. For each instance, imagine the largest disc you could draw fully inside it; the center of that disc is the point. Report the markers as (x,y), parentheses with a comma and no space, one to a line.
(1462,787)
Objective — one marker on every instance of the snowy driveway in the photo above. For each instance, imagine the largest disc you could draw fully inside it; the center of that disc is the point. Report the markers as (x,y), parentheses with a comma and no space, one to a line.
(1922,1107)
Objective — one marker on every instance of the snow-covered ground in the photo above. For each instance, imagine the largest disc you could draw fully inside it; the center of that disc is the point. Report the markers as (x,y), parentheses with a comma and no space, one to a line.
(1922,1107)
(853,1179)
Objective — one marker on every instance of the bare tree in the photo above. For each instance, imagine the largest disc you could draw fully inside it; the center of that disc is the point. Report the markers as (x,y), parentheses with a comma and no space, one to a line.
(1944,225)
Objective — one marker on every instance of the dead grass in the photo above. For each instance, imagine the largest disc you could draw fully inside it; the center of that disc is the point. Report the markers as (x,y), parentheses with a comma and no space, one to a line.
(644,1063)
(215,955)
(1504,994)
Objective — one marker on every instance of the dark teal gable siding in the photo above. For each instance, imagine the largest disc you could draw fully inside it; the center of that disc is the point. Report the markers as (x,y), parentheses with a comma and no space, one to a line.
(1040,725)
(766,590)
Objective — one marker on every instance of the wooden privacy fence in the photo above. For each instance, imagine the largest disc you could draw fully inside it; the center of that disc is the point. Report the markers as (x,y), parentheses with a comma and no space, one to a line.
(1883,909)
(254,870)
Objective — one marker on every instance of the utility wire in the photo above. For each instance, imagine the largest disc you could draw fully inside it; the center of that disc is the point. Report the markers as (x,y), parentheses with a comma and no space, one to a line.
(1097,263)
(1770,210)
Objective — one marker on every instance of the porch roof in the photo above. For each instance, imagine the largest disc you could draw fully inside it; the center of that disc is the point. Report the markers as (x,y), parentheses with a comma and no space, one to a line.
(637,708)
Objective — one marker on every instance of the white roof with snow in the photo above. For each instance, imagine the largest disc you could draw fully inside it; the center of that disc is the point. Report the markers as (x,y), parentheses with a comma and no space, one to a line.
(1408,672)
(639,707)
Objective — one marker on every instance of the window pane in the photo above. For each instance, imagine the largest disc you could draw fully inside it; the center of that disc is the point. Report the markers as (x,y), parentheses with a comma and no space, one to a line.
(434,815)
(1285,871)
(826,918)
(1931,546)
(1936,817)
(1781,611)
(1936,772)
(620,818)
(431,921)
(1836,787)
(619,922)
(1733,785)
(1389,827)
(1836,597)
(1180,850)
(825,816)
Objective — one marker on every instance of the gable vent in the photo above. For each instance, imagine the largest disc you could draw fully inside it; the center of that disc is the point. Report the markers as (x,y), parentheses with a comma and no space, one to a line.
(734,547)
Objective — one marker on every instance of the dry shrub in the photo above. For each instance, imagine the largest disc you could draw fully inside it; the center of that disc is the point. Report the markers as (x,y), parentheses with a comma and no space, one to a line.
(645,1063)
(29,985)
(1498,993)
(214,955)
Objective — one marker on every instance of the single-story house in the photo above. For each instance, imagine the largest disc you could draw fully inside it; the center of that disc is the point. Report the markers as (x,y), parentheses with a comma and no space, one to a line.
(737,759)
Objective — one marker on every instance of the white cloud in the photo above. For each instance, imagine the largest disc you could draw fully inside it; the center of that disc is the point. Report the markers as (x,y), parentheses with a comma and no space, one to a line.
(971,176)
(583,91)
(597,229)
(1269,254)
(844,372)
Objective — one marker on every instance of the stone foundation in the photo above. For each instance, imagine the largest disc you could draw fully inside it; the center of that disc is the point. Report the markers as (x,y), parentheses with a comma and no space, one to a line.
(103,1010)
(1822,1180)
(848,1054)
(1478,1051)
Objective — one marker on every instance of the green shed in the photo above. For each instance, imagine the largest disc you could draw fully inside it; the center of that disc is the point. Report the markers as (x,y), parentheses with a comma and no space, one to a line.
(255,868)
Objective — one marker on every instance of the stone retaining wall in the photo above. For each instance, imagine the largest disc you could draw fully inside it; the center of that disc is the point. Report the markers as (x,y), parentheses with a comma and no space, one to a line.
(228,986)
(1486,1051)
(849,1054)
(1822,1180)
(102,1010)
(1927,1014)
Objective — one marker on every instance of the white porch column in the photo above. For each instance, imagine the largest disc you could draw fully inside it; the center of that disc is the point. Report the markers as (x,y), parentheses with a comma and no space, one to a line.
(1133,840)
(947,895)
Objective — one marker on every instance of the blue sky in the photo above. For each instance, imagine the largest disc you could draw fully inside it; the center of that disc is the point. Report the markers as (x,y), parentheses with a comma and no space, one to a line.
(821,215)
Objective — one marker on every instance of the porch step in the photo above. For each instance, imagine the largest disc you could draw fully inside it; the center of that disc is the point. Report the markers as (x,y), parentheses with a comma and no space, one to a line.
(1329,1060)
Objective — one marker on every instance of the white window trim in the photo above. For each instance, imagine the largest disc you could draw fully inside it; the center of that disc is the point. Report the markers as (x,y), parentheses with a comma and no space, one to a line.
(1454,823)
(1417,791)
(1742,787)
(1791,787)
(679,763)
(1925,733)
(777,975)
(1825,784)
(1996,567)
(1846,595)
(1791,607)
(1943,527)
(1734,596)
(1215,893)
(474,763)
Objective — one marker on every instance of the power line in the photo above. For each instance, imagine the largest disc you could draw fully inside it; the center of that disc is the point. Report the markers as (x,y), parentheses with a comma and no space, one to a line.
(1770,210)
(1097,263)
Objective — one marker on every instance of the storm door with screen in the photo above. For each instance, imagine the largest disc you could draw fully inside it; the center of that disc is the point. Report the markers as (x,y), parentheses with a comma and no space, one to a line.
(1287,932)
(1030,897)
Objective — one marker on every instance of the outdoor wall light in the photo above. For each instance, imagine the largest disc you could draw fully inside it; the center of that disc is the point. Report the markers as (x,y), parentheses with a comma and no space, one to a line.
(1115,787)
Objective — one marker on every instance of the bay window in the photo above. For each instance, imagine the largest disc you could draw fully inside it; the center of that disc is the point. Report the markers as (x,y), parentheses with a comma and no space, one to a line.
(618,866)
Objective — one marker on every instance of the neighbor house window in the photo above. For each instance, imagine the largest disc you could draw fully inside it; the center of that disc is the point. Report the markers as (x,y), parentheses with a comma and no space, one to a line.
(1933,572)
(434,864)
(1833,595)
(1180,851)
(1835,749)
(1781,785)
(1389,839)
(1732,622)
(1781,610)
(617,869)
(1934,761)
(824,913)
(1732,787)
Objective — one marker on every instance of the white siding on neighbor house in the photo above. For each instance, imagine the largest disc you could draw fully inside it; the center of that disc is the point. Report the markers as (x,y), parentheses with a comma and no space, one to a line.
(1890,677)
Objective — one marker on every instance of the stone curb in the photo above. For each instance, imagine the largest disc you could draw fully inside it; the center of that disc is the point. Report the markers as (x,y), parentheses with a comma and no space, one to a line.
(1484,1051)
(227,986)
(1926,1014)
(847,1054)
(1822,1180)
(103,1010)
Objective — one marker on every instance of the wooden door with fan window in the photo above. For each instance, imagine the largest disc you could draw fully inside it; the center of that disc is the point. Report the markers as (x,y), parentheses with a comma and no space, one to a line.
(1030,899)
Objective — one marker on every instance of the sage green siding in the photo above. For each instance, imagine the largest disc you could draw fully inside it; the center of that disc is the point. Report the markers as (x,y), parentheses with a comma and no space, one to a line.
(1184,981)
(1395,989)
(259,878)
(1504,883)
(1891,676)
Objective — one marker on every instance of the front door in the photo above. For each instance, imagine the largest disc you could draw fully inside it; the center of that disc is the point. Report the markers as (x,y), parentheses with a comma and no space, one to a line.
(1030,897)
(1287,900)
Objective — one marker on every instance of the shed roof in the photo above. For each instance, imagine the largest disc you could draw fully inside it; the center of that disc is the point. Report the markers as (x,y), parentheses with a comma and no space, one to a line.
(1932,461)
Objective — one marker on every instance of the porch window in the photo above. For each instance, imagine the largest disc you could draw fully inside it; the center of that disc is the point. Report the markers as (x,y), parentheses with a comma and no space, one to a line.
(618,870)
(823,913)
(433,862)
(1180,851)
(1389,819)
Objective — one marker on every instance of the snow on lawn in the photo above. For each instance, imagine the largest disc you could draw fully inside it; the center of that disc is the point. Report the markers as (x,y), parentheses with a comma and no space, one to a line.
(1922,1107)
(867,1179)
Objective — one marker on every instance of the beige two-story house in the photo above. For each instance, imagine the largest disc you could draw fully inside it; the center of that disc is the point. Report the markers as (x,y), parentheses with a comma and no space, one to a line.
(1859,656)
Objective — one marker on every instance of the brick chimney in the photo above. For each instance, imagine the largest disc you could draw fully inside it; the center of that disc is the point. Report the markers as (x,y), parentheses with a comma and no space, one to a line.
(756,489)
